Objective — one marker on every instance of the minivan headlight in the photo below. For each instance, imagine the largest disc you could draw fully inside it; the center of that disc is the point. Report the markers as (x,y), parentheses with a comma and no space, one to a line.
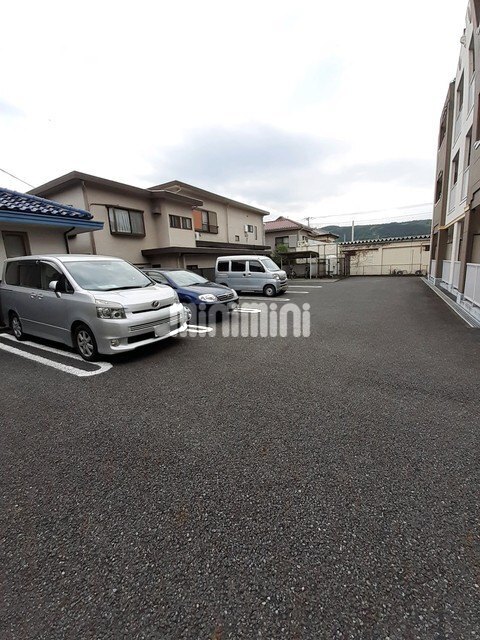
(175,297)
(109,311)
(208,297)
(276,276)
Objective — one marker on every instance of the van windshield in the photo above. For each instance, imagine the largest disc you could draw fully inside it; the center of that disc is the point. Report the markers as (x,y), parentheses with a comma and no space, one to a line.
(269,264)
(107,275)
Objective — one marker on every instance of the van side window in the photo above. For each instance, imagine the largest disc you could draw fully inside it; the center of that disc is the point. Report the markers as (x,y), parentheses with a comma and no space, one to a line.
(49,274)
(238,266)
(29,275)
(12,274)
(222,266)
(255,266)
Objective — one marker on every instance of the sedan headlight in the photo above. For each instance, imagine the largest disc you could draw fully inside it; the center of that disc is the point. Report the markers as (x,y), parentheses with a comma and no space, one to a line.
(208,297)
(110,311)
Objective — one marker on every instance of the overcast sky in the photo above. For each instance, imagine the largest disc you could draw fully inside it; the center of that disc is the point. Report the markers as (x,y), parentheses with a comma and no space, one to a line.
(304,108)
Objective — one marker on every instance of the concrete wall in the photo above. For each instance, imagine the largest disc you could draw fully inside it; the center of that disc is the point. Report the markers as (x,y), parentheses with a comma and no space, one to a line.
(375,259)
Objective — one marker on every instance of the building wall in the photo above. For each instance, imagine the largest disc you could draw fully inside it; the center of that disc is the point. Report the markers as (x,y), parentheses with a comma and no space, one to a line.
(462,124)
(40,239)
(443,159)
(375,259)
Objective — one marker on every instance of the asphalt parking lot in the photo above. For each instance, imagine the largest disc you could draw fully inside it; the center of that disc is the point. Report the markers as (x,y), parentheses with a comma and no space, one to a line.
(215,487)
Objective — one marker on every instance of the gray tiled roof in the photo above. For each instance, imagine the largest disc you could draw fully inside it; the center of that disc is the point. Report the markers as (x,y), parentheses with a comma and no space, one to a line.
(24,203)
(383,240)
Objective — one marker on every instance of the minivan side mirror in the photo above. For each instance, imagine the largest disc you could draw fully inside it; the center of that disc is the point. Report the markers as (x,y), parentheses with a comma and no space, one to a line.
(53,287)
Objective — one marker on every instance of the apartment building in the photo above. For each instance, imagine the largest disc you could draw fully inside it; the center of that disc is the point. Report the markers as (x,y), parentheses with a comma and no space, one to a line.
(169,225)
(455,244)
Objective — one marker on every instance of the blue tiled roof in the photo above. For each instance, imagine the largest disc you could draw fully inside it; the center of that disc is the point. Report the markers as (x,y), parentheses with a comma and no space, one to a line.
(24,203)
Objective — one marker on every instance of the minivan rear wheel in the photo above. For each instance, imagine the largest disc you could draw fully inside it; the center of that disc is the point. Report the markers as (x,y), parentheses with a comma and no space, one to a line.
(85,343)
(269,290)
(16,327)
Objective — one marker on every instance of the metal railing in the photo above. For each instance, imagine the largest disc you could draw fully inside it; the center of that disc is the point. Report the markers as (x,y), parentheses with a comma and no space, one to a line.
(472,283)
(458,125)
(452,203)
(465,183)
(471,93)
(446,273)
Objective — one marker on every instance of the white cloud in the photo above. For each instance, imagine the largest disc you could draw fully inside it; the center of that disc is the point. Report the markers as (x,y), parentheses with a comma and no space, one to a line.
(109,87)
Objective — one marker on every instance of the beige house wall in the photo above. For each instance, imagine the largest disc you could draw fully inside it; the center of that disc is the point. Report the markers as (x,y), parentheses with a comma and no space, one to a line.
(378,259)
(40,239)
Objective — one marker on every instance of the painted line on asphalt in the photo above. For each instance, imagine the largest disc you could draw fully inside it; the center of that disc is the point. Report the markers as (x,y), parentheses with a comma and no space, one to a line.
(299,292)
(43,347)
(265,299)
(194,328)
(65,368)
(304,286)
(247,310)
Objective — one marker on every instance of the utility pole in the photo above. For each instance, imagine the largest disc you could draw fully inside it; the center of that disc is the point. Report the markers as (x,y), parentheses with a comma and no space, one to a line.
(353,230)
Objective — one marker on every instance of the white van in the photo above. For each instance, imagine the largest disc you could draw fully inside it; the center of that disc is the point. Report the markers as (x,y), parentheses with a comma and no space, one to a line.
(251,273)
(96,304)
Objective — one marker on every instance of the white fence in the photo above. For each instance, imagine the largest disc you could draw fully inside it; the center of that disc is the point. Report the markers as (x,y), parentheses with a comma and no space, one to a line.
(446,267)
(472,284)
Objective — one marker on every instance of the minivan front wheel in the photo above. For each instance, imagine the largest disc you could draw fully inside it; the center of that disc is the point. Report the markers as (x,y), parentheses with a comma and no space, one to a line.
(269,290)
(85,343)
(16,327)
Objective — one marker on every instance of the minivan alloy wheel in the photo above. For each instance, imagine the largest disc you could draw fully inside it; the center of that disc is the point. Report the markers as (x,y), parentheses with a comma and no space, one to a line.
(85,343)
(17,328)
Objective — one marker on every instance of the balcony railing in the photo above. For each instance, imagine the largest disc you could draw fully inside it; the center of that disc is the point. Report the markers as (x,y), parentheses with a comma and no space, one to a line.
(472,283)
(465,183)
(433,268)
(471,93)
(458,125)
(456,274)
(453,198)
(446,271)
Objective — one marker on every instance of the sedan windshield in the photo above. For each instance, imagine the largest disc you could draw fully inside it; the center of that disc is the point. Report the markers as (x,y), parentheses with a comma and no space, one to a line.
(185,278)
(270,264)
(107,275)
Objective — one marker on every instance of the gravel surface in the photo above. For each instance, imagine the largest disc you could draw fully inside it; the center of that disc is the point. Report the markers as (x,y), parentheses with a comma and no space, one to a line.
(214,488)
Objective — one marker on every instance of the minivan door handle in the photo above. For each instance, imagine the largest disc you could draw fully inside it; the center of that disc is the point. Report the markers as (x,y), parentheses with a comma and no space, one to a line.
(39,296)
(33,295)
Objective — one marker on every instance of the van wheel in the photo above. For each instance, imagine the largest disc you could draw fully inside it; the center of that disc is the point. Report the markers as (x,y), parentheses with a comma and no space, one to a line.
(85,343)
(269,291)
(16,327)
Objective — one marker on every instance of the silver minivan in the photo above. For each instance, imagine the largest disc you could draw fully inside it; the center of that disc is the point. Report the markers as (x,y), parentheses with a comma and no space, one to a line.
(97,304)
(251,273)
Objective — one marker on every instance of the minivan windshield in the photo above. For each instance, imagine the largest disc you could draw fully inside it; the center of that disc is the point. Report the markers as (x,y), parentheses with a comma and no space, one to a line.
(269,264)
(106,275)
(185,278)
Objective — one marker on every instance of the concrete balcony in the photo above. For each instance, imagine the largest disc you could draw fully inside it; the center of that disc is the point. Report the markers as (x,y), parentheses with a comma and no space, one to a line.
(466,174)
(458,125)
(471,93)
(452,201)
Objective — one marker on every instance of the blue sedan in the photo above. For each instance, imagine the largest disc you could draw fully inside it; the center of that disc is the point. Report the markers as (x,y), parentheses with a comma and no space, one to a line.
(196,292)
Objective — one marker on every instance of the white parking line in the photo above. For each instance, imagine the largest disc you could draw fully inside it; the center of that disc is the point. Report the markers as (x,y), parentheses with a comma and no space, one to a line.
(266,299)
(299,292)
(194,328)
(304,286)
(102,366)
(247,310)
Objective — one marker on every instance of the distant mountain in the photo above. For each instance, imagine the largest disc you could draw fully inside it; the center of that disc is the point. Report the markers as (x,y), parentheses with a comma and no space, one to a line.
(384,230)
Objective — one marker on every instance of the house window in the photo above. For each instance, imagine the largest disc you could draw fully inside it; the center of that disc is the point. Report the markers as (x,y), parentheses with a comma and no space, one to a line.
(126,222)
(256,232)
(249,228)
(175,222)
(438,188)
(471,58)
(237,238)
(205,221)
(16,244)
(281,241)
(426,247)
(186,223)
(468,149)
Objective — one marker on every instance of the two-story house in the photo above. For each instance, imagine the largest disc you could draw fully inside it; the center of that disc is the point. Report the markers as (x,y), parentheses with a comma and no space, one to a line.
(169,225)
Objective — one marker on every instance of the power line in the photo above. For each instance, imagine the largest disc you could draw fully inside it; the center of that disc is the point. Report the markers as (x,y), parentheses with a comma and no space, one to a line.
(384,210)
(16,178)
